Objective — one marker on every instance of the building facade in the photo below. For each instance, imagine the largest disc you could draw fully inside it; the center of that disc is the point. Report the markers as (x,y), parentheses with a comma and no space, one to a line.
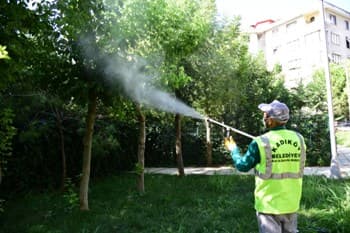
(297,44)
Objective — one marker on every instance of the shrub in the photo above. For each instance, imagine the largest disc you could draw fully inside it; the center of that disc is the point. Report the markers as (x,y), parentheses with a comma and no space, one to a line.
(315,130)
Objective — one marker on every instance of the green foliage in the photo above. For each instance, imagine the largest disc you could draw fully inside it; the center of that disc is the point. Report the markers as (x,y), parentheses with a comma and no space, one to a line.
(3,53)
(175,76)
(343,138)
(184,26)
(70,195)
(216,70)
(314,128)
(166,32)
(105,141)
(116,207)
(314,122)
(160,149)
(139,169)
(339,93)
(51,67)
(7,132)
(325,205)
(316,97)
(228,83)
(198,203)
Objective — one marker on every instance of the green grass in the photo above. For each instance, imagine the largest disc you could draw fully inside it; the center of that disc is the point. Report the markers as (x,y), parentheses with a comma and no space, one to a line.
(343,138)
(172,204)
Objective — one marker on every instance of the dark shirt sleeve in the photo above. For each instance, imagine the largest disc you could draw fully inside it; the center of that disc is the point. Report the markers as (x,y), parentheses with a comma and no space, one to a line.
(248,160)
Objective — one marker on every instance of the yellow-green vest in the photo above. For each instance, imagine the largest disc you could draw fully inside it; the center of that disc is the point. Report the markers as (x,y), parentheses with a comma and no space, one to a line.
(278,180)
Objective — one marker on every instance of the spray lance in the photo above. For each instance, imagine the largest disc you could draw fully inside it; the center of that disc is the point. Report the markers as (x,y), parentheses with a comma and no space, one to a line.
(228,128)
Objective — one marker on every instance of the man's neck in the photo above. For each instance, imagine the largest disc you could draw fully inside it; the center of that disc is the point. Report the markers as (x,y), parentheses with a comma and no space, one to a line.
(277,127)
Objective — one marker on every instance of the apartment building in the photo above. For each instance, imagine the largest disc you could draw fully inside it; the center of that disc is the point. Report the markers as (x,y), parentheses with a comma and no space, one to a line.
(296,43)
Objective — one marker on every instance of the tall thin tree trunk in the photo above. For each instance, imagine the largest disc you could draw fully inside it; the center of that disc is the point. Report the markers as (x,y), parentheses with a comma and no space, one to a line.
(178,145)
(90,122)
(141,150)
(209,144)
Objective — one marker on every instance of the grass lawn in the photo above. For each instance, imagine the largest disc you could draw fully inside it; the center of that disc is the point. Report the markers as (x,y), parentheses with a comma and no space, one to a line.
(172,204)
(343,138)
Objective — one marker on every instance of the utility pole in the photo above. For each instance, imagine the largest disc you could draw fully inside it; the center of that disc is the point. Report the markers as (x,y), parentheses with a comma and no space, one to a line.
(334,167)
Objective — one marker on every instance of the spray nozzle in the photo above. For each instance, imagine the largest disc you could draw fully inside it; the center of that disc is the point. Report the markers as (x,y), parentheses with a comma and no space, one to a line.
(227,132)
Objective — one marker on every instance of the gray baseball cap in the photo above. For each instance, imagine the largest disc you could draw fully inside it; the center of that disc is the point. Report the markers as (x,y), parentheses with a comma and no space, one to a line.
(276,110)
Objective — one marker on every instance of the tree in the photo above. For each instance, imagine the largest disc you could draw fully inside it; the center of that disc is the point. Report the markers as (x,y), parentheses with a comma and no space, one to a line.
(84,29)
(24,28)
(315,92)
(214,67)
(180,27)
(170,29)
(314,124)
(340,95)
(7,131)
(229,83)
(141,150)
(90,120)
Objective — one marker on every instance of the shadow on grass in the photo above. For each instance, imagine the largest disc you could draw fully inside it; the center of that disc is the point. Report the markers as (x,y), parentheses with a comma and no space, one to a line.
(196,203)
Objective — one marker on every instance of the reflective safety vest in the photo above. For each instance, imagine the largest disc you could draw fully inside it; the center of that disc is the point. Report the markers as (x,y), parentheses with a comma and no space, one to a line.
(278,180)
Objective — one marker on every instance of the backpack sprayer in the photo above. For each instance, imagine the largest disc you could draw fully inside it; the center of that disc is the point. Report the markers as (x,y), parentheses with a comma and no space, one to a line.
(228,128)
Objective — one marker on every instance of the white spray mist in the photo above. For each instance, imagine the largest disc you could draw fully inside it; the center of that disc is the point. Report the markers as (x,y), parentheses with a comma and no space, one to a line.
(138,86)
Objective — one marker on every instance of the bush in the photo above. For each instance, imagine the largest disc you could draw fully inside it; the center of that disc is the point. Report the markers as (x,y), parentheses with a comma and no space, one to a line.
(315,130)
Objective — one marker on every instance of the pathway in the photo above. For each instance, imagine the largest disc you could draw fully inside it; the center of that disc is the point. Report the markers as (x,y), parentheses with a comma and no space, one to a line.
(343,159)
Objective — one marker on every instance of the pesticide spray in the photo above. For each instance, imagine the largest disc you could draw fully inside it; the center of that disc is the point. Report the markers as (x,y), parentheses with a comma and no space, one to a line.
(139,86)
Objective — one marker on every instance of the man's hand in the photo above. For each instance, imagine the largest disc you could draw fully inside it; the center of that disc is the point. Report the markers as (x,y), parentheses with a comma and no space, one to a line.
(229,143)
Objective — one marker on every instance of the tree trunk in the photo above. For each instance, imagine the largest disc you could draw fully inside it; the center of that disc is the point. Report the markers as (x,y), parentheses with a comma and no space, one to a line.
(178,146)
(59,119)
(141,151)
(209,144)
(90,121)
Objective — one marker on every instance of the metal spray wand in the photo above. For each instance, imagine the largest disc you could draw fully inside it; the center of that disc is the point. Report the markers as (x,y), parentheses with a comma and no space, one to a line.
(230,128)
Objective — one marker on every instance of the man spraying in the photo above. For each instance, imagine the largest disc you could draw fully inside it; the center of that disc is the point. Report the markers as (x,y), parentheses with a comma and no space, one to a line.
(278,157)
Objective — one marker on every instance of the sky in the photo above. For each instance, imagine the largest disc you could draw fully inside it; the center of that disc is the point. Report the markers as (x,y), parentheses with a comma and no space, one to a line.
(253,11)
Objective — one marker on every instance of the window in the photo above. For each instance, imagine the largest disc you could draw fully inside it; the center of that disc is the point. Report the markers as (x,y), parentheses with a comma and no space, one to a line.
(336,58)
(335,38)
(347,41)
(347,25)
(333,19)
